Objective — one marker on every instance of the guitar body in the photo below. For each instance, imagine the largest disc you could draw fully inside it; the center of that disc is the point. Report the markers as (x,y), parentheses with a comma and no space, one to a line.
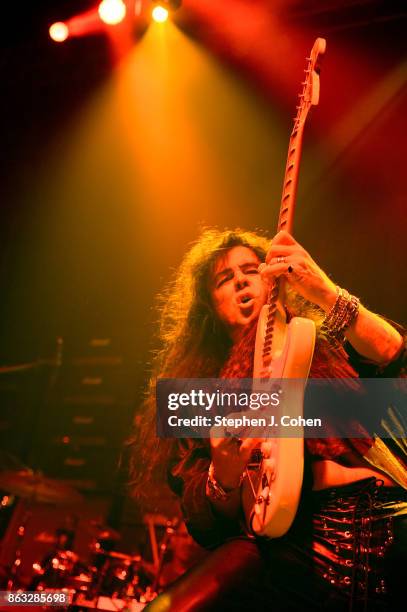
(277,482)
(292,353)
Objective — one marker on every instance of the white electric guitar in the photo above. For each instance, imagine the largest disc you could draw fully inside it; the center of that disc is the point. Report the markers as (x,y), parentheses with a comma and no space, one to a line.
(272,487)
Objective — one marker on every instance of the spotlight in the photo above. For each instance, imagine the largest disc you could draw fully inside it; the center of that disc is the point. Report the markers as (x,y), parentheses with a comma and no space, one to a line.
(163,8)
(159,14)
(112,12)
(59,31)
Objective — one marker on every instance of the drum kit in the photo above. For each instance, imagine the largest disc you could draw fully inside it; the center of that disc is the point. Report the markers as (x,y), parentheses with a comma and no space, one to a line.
(105,580)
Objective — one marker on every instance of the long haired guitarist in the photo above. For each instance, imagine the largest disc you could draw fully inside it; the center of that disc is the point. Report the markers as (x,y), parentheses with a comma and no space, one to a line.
(343,546)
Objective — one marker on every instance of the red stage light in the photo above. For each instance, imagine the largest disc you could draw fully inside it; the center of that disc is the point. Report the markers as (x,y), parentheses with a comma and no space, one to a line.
(112,12)
(59,31)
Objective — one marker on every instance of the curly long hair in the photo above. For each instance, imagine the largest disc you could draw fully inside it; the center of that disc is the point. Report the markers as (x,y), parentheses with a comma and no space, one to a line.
(193,342)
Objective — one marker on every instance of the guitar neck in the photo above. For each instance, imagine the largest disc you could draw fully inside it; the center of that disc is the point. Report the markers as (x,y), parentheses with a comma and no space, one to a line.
(287,207)
(308,97)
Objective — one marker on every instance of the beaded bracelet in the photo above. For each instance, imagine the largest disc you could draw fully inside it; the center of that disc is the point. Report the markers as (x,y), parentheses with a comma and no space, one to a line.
(341,316)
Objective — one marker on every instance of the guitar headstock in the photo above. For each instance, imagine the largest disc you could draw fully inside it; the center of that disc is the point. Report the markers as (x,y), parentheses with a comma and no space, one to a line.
(310,92)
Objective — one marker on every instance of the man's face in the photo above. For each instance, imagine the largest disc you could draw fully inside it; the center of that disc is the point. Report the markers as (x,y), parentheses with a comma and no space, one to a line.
(237,290)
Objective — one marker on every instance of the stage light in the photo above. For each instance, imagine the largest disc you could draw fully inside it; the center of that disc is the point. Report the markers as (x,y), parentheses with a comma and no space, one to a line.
(162,9)
(159,14)
(112,12)
(59,31)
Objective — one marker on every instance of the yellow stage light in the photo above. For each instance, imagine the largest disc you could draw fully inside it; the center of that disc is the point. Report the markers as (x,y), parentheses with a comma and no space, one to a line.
(159,14)
(112,12)
(59,31)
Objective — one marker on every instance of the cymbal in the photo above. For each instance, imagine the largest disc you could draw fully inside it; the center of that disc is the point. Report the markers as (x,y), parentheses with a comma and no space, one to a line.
(45,537)
(156,519)
(117,555)
(103,532)
(36,487)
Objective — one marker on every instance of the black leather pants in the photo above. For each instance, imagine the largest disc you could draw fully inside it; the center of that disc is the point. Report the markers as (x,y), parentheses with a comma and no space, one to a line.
(344,553)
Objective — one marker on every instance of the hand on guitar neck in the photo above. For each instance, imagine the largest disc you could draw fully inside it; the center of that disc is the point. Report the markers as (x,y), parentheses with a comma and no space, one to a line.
(369,334)
(287,258)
